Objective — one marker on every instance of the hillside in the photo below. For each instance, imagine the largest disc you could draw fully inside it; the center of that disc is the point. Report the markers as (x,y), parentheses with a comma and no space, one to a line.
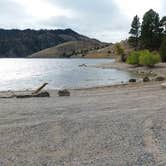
(69,49)
(110,51)
(104,52)
(21,43)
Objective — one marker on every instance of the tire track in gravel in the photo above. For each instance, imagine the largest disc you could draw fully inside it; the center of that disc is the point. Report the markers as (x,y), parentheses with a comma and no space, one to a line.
(150,142)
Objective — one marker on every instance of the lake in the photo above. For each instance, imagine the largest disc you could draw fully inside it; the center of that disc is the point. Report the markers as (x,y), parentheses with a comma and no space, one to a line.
(21,74)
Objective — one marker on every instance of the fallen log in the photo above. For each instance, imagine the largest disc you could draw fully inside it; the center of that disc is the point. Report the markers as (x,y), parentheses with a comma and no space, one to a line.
(40,88)
(33,94)
(42,94)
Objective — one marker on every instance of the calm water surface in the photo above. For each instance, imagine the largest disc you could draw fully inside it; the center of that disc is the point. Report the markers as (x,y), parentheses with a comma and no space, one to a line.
(21,74)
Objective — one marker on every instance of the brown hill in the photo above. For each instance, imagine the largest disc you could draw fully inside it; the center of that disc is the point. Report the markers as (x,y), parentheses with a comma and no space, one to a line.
(69,49)
(110,51)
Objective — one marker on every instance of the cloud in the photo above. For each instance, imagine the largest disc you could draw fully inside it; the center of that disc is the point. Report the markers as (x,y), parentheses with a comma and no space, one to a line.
(94,18)
(12,13)
(107,20)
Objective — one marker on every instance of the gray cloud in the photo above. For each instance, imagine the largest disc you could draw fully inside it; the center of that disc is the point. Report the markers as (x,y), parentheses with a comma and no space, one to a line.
(94,18)
(102,19)
(12,14)
(163,4)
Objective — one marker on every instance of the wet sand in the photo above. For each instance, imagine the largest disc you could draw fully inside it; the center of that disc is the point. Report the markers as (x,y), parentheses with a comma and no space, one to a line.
(117,126)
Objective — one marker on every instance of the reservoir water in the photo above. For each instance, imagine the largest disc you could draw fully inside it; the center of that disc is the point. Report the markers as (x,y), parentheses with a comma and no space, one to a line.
(21,74)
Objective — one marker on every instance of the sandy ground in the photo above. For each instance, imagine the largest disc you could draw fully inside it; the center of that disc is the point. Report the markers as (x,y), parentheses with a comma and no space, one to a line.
(111,126)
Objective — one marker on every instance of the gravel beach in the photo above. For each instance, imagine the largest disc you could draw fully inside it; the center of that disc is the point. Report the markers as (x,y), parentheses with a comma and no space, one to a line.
(107,126)
(159,69)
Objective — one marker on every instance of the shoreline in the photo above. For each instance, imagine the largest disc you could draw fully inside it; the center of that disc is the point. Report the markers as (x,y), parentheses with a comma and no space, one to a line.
(54,92)
(158,70)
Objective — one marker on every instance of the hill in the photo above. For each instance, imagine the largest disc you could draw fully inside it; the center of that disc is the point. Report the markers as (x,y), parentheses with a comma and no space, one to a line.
(69,49)
(104,52)
(21,43)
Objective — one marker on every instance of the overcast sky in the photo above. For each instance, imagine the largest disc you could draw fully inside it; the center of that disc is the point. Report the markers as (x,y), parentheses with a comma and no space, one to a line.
(106,20)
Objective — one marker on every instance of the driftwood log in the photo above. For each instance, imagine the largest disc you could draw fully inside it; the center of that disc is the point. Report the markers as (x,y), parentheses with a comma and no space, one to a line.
(36,93)
(42,94)
(40,88)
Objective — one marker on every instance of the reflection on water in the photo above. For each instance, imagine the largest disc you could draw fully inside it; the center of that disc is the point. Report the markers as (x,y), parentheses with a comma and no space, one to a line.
(19,74)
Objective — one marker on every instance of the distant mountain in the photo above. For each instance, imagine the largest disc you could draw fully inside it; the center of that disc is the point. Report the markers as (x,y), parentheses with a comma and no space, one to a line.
(21,43)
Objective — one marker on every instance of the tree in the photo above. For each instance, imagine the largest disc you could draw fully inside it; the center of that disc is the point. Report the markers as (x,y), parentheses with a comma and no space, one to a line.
(135,31)
(163,24)
(163,50)
(150,30)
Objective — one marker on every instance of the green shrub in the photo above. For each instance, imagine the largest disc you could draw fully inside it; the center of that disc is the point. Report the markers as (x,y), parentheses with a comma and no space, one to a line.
(133,58)
(147,58)
(144,57)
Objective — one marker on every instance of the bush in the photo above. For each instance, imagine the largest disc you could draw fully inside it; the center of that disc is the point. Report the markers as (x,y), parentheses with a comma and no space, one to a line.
(133,58)
(163,51)
(119,49)
(148,59)
(144,58)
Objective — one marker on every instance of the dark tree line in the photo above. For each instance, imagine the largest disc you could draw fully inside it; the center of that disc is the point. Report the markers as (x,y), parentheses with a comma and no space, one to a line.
(151,34)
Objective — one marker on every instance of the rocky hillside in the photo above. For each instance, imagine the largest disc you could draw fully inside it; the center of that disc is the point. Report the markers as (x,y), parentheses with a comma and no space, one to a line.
(21,43)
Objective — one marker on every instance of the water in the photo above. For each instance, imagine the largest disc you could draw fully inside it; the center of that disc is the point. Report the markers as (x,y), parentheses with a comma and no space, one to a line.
(21,74)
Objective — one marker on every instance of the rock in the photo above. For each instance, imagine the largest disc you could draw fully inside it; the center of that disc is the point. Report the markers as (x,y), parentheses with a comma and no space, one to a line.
(83,65)
(163,85)
(146,79)
(133,80)
(159,78)
(64,92)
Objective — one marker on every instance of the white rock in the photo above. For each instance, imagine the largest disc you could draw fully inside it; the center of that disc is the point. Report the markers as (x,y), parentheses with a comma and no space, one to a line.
(163,85)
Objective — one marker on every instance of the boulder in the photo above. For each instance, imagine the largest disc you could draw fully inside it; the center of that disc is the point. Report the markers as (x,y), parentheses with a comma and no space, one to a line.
(63,92)
(83,65)
(133,80)
(146,79)
(163,85)
(159,78)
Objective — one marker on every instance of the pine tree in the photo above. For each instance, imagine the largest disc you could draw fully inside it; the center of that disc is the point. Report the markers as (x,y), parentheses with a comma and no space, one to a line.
(163,24)
(163,50)
(135,32)
(150,30)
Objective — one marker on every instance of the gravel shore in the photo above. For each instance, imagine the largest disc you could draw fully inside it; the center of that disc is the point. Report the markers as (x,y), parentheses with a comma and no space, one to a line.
(159,69)
(109,126)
